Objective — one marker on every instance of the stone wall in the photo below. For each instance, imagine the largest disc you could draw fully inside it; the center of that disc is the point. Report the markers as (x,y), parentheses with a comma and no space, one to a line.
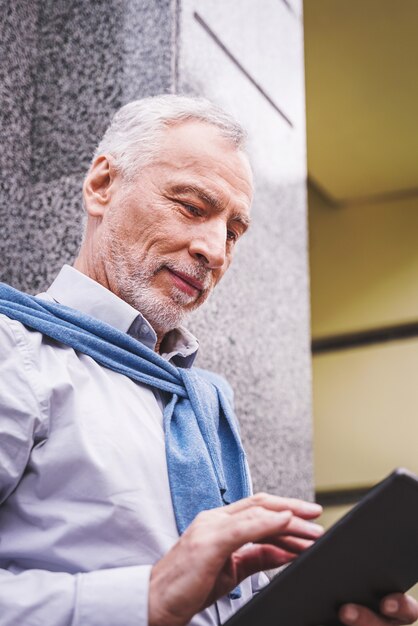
(68,65)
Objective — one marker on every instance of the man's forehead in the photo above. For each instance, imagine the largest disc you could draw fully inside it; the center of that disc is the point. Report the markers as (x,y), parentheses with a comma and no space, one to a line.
(194,140)
(197,137)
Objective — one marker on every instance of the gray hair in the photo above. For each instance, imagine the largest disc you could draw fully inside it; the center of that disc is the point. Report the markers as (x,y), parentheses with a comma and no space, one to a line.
(136,129)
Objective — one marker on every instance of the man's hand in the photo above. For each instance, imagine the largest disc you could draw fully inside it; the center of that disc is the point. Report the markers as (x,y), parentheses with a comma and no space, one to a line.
(211,557)
(395,609)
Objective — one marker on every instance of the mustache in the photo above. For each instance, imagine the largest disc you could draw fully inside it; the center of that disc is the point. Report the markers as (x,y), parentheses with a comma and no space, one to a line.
(199,272)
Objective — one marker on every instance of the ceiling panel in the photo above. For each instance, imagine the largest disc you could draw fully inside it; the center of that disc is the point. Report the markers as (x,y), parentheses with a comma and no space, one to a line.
(361,59)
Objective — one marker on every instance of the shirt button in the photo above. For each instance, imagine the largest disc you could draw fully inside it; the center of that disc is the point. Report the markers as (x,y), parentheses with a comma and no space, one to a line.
(144,329)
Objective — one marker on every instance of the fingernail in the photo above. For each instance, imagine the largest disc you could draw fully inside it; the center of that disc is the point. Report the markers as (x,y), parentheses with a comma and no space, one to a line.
(312,507)
(391,606)
(350,613)
(316,528)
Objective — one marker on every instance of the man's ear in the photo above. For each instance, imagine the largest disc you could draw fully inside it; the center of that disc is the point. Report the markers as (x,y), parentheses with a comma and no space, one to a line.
(97,187)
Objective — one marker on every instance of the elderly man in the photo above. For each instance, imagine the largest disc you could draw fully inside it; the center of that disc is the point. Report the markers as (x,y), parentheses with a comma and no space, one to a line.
(124,488)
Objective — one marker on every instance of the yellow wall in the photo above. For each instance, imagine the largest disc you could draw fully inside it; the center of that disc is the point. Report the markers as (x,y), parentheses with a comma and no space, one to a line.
(364,275)
(364,257)
(365,413)
(364,265)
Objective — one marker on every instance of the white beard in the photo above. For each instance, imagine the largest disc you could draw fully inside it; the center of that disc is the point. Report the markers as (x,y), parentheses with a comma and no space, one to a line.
(133,281)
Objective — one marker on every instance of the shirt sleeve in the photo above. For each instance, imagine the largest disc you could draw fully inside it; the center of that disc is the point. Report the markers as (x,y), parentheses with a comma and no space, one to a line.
(108,597)
(258,581)
(21,420)
(103,598)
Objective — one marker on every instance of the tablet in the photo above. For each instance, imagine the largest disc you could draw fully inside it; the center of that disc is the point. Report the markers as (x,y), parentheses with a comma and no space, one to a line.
(368,553)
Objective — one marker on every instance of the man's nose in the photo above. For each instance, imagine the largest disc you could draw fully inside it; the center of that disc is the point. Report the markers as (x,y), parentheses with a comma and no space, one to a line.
(209,245)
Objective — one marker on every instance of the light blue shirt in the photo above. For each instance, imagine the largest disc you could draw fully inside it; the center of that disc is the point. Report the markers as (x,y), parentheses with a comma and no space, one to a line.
(85,500)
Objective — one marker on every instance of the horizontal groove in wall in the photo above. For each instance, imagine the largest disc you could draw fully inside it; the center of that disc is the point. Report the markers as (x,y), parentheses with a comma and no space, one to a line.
(365,338)
(242,69)
(380,198)
(396,195)
(341,497)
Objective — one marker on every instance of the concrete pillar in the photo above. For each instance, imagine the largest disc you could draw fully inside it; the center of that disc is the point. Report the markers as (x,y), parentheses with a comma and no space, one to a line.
(81,61)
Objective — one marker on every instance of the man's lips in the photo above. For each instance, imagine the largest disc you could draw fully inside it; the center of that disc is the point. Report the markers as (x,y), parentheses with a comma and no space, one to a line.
(186,283)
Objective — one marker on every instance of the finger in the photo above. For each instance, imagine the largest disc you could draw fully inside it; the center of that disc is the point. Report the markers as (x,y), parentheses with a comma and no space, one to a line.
(215,535)
(355,615)
(255,558)
(301,528)
(251,560)
(295,545)
(251,525)
(301,508)
(400,607)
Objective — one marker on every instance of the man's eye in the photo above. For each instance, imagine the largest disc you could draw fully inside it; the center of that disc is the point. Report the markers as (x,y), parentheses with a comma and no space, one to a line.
(231,236)
(192,209)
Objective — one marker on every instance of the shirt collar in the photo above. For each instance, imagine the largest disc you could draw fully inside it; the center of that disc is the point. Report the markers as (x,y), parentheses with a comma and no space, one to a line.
(76,290)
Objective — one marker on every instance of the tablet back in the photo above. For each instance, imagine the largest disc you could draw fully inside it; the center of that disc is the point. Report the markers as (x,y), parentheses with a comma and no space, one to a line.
(370,552)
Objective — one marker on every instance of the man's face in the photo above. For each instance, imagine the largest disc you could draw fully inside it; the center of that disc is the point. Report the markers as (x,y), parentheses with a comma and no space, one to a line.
(169,236)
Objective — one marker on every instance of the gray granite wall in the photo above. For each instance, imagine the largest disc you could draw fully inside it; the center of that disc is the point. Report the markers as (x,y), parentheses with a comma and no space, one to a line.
(66,67)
